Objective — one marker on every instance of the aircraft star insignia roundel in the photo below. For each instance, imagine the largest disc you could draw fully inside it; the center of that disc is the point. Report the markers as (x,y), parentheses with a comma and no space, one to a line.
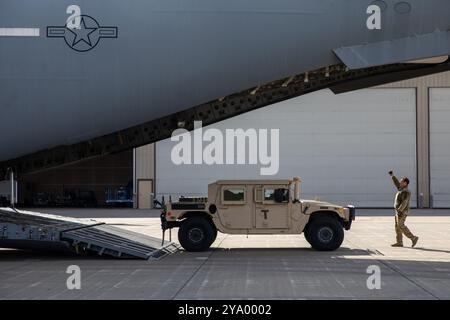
(84,38)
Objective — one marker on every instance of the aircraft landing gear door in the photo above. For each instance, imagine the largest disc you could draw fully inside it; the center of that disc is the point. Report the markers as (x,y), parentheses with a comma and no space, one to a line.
(272,207)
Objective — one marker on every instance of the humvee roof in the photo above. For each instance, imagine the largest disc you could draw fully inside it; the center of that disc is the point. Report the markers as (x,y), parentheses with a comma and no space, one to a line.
(253,182)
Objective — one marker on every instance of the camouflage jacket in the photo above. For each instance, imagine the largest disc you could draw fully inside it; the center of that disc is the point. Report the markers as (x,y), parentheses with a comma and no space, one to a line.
(402,197)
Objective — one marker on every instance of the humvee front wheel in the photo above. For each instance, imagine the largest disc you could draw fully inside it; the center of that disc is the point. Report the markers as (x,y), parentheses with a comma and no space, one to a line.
(325,234)
(196,234)
(307,235)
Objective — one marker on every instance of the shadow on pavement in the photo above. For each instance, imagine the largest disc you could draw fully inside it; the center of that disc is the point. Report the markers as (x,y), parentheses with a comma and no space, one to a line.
(429,250)
(343,251)
(20,255)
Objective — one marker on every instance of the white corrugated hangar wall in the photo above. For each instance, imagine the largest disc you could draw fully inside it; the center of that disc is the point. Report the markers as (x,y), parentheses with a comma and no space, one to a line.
(440,147)
(341,146)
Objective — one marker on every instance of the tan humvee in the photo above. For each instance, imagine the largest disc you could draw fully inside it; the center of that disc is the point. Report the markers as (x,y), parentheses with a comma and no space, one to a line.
(256,207)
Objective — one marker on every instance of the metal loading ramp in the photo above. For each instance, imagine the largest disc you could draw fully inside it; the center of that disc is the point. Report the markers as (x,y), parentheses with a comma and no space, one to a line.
(38,231)
(117,242)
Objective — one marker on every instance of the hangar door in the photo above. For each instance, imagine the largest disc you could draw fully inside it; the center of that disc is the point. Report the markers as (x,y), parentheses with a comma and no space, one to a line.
(341,146)
(440,147)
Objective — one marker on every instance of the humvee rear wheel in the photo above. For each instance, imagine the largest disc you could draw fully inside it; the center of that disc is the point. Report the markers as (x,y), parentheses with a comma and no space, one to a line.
(325,234)
(196,234)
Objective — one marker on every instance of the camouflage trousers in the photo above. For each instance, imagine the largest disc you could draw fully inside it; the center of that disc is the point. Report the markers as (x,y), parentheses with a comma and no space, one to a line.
(401,229)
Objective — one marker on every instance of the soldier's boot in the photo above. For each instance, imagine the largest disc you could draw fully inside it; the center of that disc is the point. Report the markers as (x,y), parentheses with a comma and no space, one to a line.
(397,244)
(414,241)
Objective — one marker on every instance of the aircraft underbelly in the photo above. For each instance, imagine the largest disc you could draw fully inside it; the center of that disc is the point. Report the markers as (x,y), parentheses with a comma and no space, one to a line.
(156,58)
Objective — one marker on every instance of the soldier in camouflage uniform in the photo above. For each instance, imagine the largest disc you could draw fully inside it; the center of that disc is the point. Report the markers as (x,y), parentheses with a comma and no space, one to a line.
(401,206)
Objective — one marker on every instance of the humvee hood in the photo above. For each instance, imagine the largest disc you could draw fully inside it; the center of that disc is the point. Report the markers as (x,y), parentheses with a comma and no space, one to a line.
(322,203)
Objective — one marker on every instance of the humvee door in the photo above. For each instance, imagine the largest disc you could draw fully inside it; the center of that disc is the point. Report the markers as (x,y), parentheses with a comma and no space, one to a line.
(272,207)
(236,208)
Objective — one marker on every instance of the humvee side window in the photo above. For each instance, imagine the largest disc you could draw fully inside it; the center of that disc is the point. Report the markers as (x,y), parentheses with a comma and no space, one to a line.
(269,194)
(233,195)
(280,195)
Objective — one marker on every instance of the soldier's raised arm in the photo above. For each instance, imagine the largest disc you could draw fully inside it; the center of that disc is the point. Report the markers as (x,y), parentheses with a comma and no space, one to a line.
(395,180)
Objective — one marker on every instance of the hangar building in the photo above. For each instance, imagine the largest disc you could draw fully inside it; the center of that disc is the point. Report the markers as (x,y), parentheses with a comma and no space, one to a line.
(340,145)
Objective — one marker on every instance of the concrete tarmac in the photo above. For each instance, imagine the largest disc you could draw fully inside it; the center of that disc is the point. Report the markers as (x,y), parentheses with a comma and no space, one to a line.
(241,267)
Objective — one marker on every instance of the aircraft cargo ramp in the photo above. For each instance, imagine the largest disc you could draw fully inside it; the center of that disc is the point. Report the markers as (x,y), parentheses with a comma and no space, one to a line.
(38,231)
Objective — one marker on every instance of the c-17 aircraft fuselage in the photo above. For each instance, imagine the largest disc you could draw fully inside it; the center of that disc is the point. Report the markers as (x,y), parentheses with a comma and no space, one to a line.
(72,71)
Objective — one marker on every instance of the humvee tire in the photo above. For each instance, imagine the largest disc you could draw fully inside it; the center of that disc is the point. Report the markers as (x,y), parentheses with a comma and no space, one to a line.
(196,234)
(325,233)
(307,235)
